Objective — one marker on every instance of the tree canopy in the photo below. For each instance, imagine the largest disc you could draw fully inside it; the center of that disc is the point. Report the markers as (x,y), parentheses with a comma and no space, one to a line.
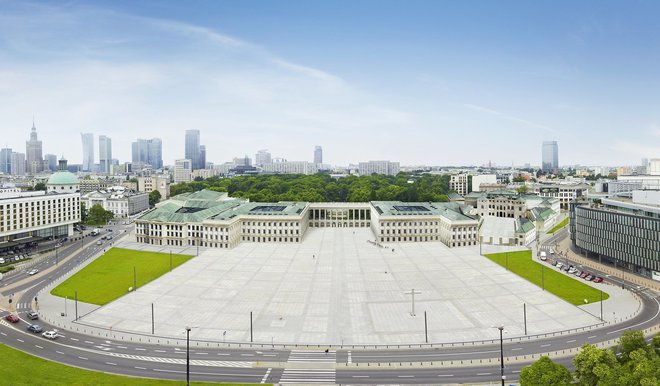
(96,215)
(324,188)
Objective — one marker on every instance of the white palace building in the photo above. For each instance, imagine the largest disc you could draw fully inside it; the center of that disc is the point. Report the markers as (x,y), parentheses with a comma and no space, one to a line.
(213,219)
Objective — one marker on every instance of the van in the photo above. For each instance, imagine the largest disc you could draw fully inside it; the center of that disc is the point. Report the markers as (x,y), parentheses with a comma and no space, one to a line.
(2,260)
(543,256)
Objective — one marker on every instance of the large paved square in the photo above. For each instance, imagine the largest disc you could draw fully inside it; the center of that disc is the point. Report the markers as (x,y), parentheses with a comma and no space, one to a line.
(335,287)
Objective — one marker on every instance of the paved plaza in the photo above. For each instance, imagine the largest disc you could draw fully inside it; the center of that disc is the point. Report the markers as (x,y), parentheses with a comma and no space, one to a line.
(338,287)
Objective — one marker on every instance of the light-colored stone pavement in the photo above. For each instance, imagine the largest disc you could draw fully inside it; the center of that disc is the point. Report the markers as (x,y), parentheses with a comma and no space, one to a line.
(335,287)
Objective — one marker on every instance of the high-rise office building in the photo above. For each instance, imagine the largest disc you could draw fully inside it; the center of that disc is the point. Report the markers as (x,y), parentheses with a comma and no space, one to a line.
(105,154)
(262,157)
(5,161)
(318,155)
(51,159)
(202,157)
(148,152)
(88,151)
(18,164)
(33,153)
(155,158)
(550,156)
(192,148)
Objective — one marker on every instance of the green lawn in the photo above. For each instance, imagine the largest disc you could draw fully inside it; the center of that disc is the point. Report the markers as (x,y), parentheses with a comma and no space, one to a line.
(557,227)
(20,368)
(109,277)
(568,288)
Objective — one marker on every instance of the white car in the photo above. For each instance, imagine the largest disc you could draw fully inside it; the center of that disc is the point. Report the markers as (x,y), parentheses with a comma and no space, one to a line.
(552,251)
(33,272)
(52,334)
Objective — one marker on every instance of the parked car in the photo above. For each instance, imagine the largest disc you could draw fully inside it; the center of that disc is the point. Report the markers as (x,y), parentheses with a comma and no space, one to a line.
(12,318)
(35,328)
(543,256)
(578,272)
(598,280)
(566,268)
(572,270)
(588,277)
(559,265)
(552,251)
(52,334)
(584,274)
(32,315)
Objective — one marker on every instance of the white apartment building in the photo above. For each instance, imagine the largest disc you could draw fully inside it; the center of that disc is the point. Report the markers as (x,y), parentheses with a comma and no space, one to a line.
(564,192)
(378,167)
(482,179)
(459,183)
(290,167)
(182,171)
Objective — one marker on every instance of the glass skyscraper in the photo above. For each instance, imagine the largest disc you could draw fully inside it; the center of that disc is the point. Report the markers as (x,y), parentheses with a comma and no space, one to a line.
(550,156)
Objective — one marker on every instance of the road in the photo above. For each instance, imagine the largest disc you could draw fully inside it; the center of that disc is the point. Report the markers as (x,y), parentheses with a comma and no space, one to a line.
(270,365)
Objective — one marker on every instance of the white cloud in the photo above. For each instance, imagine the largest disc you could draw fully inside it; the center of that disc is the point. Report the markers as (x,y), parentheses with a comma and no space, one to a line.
(525,122)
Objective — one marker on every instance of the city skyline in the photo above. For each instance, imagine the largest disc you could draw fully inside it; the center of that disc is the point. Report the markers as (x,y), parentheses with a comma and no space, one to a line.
(423,77)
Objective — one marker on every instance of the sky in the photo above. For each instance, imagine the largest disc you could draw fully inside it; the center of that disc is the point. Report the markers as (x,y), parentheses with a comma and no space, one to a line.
(419,82)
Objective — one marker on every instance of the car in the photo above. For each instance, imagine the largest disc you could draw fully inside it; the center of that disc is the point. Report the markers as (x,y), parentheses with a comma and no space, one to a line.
(555,263)
(572,270)
(598,280)
(35,328)
(52,334)
(552,251)
(99,242)
(2,260)
(566,268)
(584,274)
(12,318)
(32,315)
(33,271)
(559,265)
(578,272)
(588,277)
(543,256)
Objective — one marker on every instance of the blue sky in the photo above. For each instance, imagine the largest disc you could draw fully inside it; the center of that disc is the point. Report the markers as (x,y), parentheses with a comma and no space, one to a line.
(420,82)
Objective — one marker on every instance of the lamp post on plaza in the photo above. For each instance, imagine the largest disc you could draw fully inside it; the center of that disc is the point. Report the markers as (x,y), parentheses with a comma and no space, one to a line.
(188,355)
(501,328)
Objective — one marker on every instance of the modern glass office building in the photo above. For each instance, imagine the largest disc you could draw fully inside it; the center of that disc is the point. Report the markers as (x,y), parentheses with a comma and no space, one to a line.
(620,231)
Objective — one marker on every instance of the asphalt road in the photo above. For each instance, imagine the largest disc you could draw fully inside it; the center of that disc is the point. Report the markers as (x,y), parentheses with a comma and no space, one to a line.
(286,366)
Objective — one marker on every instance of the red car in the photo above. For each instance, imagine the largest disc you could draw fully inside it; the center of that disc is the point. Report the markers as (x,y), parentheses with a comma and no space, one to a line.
(598,279)
(12,318)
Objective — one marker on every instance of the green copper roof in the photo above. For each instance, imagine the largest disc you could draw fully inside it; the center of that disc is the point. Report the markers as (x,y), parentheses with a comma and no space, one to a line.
(63,177)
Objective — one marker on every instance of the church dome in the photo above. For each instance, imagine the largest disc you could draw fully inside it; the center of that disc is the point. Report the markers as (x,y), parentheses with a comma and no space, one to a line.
(63,180)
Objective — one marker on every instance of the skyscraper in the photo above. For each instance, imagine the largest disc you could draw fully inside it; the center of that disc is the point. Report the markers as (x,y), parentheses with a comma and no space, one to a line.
(5,161)
(51,159)
(550,156)
(192,148)
(33,154)
(318,155)
(17,164)
(105,154)
(88,151)
(202,157)
(148,152)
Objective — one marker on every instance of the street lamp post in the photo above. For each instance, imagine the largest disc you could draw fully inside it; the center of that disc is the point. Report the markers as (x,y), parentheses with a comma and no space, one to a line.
(501,328)
(188,355)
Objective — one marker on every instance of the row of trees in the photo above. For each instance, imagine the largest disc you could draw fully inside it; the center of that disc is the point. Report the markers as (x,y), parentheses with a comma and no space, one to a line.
(633,362)
(324,188)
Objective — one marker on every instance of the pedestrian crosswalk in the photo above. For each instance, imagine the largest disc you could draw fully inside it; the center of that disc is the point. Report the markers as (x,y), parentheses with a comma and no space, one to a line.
(312,356)
(294,374)
(307,376)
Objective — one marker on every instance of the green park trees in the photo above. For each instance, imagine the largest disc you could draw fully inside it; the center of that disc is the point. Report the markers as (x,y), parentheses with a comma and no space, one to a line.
(324,188)
(632,362)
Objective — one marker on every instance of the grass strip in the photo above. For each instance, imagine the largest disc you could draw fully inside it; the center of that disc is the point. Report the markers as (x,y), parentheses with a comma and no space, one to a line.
(557,227)
(109,276)
(571,289)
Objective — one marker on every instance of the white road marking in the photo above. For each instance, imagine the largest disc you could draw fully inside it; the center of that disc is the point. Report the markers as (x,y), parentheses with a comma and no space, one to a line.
(446,375)
(405,376)
(140,349)
(265,378)
(160,350)
(74,339)
(110,363)
(20,340)
(59,352)
(545,345)
(37,346)
(516,349)
(571,341)
(360,376)
(83,358)
(591,337)
(140,368)
(484,373)
(88,342)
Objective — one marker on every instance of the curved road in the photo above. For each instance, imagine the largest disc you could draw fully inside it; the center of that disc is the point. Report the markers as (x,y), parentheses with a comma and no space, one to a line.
(269,365)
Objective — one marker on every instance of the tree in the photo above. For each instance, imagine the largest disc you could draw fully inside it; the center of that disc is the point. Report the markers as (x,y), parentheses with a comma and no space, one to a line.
(592,363)
(99,216)
(40,186)
(522,189)
(630,341)
(83,212)
(545,372)
(154,197)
